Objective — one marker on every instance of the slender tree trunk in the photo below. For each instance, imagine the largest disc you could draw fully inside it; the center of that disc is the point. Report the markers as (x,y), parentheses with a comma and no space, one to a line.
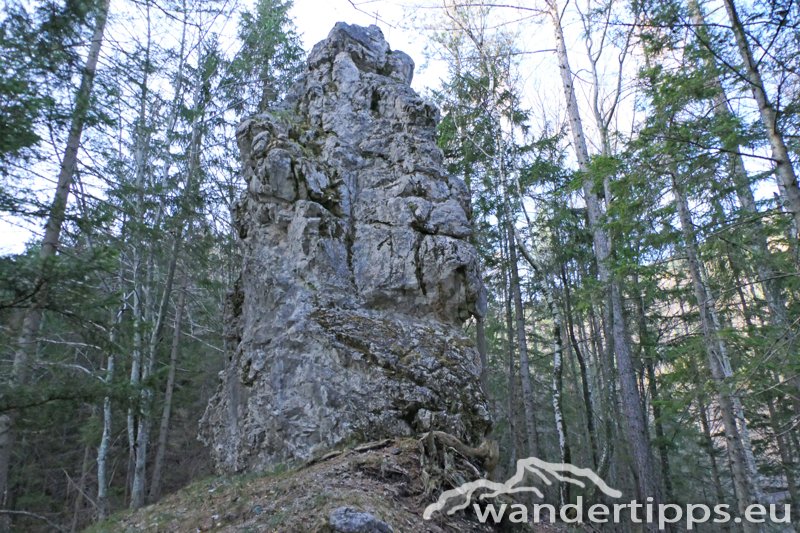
(26,342)
(607,386)
(780,154)
(522,346)
(558,405)
(480,337)
(786,462)
(712,458)
(663,449)
(649,364)
(743,469)
(586,391)
(558,364)
(80,490)
(140,287)
(509,316)
(103,505)
(136,365)
(163,432)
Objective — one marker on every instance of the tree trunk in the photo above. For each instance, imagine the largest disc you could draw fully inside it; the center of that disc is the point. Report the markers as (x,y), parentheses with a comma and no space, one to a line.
(786,462)
(586,391)
(649,364)
(509,316)
(745,477)
(6,449)
(522,346)
(163,431)
(608,394)
(480,337)
(80,489)
(136,365)
(103,506)
(26,342)
(558,365)
(140,289)
(710,450)
(558,405)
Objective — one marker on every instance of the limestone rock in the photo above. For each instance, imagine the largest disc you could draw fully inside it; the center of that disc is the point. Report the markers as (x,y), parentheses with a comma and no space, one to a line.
(357,274)
(349,520)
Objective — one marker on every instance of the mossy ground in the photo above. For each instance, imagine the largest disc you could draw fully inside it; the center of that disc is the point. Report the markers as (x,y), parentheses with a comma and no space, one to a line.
(384,479)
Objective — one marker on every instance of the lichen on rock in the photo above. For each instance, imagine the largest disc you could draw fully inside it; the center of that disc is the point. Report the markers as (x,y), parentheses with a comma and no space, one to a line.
(357,269)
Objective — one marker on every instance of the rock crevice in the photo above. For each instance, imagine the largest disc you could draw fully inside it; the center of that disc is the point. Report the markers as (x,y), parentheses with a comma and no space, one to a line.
(357,270)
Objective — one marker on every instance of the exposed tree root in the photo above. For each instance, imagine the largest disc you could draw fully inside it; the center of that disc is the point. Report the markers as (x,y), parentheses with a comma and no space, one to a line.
(446,462)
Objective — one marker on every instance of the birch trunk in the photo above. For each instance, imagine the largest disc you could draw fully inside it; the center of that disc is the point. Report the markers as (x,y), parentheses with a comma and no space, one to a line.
(558,405)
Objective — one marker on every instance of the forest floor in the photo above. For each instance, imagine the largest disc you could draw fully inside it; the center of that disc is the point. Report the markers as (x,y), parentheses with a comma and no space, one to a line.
(384,479)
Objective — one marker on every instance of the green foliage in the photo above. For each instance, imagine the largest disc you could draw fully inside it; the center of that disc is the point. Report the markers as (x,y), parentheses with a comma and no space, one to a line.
(22,100)
(270,59)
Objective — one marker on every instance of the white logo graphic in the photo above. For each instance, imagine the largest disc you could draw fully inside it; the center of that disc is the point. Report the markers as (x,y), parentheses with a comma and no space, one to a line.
(562,472)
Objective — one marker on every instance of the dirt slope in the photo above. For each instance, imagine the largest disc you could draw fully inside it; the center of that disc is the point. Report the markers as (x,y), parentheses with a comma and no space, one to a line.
(384,479)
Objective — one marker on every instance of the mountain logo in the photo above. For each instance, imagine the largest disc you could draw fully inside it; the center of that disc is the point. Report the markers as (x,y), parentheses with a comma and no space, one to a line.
(460,497)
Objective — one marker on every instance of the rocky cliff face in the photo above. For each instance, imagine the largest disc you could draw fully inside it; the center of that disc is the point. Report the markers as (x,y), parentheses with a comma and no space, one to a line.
(357,273)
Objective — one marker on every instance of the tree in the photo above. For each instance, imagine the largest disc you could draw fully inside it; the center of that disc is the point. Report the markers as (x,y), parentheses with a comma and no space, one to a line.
(784,168)
(482,114)
(636,424)
(33,316)
(270,58)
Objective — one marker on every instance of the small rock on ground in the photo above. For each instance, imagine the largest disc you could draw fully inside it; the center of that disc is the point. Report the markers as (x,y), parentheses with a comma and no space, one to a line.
(349,520)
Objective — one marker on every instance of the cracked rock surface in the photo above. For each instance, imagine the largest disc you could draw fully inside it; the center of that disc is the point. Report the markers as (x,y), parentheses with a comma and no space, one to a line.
(345,324)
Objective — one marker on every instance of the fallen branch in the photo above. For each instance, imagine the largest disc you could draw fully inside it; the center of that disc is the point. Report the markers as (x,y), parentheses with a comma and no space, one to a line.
(33,515)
